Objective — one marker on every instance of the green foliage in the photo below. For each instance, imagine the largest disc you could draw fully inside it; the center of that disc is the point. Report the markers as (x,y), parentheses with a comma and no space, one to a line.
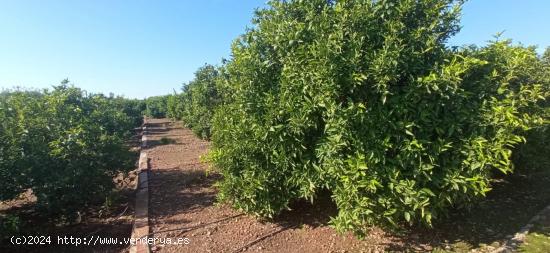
(364,99)
(534,154)
(10,225)
(65,145)
(546,56)
(202,98)
(156,107)
(175,106)
(196,104)
(133,108)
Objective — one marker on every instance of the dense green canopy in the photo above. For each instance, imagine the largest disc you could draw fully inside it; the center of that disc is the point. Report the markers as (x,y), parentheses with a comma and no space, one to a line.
(363,98)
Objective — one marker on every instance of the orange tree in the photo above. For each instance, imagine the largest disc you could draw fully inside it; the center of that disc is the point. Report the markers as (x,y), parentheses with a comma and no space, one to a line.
(156,106)
(363,98)
(65,145)
(196,104)
(202,97)
(535,153)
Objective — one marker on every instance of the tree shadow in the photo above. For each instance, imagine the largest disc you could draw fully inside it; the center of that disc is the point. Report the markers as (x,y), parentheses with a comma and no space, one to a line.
(508,207)
(178,190)
(114,223)
(157,130)
(162,141)
(542,227)
(134,140)
(158,125)
(514,200)
(303,212)
(60,239)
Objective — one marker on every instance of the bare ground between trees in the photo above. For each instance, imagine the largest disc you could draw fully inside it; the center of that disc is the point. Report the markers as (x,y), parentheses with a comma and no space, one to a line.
(113,221)
(183,205)
(183,197)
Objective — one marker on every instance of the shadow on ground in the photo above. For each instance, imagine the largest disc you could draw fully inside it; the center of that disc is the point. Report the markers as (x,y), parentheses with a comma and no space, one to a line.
(180,190)
(507,208)
(161,141)
(303,212)
(51,236)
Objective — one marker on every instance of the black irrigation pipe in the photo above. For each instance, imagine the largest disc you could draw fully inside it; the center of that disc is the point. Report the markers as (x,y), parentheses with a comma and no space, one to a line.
(191,228)
(263,238)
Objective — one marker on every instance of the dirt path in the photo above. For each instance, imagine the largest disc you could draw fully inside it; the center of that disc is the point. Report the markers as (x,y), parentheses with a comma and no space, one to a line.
(183,206)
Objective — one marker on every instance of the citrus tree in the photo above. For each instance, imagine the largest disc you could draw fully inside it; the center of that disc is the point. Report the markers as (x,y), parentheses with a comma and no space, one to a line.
(199,99)
(364,99)
(65,144)
(156,106)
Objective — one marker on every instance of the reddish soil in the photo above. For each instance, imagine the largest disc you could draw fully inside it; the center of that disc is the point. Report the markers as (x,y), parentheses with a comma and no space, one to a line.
(114,221)
(183,205)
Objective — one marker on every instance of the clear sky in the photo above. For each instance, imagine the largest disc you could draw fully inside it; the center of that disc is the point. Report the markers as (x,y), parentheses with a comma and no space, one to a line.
(141,48)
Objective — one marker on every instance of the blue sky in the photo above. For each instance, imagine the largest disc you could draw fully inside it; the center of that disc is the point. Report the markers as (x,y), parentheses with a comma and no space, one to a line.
(142,48)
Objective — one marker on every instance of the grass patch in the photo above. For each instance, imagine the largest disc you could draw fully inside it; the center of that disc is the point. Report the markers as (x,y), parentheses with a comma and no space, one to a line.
(538,240)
